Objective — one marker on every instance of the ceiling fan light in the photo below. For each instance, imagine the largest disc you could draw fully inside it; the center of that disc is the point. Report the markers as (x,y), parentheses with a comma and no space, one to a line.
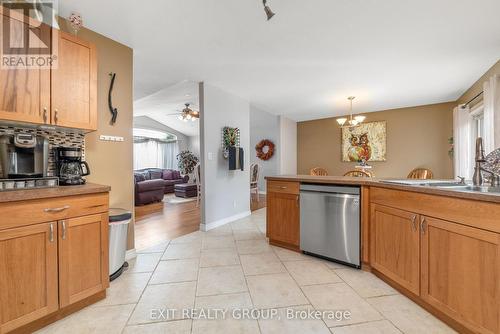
(341,121)
(188,116)
(180,117)
(193,119)
(360,118)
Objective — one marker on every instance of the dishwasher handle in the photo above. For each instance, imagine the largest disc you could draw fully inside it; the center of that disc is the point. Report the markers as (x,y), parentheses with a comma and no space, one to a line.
(330,189)
(338,195)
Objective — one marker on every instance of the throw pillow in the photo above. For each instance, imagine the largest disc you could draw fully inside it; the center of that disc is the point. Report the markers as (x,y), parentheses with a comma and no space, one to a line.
(168,174)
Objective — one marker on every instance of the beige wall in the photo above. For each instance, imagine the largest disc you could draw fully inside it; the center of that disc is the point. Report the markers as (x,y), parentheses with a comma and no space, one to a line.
(416,137)
(111,162)
(477,87)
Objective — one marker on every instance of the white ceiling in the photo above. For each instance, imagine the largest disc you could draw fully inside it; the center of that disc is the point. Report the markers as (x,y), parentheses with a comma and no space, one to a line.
(312,54)
(165,105)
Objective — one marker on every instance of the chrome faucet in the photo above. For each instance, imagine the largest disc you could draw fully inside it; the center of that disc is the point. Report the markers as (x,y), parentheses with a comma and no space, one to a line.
(477,179)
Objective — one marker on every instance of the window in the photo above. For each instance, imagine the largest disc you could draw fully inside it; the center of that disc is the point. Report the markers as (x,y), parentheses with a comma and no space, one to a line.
(155,149)
(477,113)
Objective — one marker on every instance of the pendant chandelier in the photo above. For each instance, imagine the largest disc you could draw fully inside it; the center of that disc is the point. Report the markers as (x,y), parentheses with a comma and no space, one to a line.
(350,122)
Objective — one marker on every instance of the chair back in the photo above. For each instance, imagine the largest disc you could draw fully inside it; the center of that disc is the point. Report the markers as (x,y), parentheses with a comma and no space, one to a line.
(254,173)
(318,171)
(357,173)
(420,173)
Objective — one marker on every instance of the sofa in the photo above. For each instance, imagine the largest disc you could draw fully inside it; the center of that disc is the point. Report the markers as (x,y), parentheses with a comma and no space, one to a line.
(152,183)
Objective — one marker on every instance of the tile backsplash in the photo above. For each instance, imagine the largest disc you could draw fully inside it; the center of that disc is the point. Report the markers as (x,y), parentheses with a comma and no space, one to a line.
(57,138)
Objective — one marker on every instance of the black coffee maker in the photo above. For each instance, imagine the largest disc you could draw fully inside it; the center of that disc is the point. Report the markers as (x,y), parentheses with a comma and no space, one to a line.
(70,167)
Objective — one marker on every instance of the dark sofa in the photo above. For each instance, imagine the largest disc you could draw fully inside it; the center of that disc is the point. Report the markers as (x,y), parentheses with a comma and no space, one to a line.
(152,183)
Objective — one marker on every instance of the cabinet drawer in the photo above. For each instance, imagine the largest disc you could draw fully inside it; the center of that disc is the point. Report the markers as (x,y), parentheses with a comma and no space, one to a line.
(285,187)
(22,213)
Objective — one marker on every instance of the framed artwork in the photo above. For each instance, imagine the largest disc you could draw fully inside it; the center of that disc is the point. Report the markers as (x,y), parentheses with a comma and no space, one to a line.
(367,141)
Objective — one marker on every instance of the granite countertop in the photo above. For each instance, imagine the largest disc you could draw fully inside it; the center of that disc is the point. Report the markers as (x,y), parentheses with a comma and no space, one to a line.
(61,191)
(374,182)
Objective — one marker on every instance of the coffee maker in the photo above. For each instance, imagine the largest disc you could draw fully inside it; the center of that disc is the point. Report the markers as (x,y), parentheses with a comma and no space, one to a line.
(70,167)
(23,155)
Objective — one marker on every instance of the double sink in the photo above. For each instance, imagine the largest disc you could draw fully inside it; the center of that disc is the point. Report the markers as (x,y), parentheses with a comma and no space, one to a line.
(448,185)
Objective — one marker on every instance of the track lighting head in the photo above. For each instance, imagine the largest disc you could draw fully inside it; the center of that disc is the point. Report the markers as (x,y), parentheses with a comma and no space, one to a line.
(269,12)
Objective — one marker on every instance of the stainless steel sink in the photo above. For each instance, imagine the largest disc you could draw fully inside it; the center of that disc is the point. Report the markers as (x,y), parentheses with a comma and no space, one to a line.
(482,189)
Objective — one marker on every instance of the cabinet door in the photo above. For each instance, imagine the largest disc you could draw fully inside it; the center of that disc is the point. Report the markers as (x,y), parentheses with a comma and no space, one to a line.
(74,84)
(24,93)
(395,248)
(283,218)
(83,265)
(28,274)
(461,273)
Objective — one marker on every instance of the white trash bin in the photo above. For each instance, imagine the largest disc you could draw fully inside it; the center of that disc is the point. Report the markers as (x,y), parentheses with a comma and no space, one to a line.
(118,231)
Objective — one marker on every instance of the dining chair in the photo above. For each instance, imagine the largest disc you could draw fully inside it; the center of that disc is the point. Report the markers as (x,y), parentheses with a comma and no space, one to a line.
(358,173)
(254,179)
(318,171)
(197,176)
(421,173)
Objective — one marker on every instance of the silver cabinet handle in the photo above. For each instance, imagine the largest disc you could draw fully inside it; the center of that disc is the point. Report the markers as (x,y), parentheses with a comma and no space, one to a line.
(45,115)
(56,116)
(298,201)
(422,225)
(282,187)
(56,209)
(414,222)
(63,223)
(51,233)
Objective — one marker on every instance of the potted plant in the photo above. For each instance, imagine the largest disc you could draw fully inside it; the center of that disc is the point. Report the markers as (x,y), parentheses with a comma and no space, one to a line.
(187,161)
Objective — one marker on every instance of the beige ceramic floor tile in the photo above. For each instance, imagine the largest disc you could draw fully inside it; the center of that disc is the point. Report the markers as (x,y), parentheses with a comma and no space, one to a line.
(218,242)
(171,271)
(92,320)
(294,320)
(143,263)
(126,289)
(218,280)
(171,327)
(194,237)
(244,224)
(288,255)
(340,297)
(174,296)
(182,251)
(364,283)
(408,316)
(219,257)
(253,246)
(228,301)
(248,235)
(159,248)
(375,327)
(311,272)
(275,290)
(262,263)
(224,230)
(229,325)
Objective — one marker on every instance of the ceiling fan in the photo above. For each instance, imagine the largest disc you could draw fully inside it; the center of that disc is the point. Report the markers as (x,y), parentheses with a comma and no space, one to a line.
(187,114)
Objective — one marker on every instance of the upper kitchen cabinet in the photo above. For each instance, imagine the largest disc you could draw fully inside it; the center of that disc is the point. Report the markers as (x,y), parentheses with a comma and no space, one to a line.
(24,93)
(74,84)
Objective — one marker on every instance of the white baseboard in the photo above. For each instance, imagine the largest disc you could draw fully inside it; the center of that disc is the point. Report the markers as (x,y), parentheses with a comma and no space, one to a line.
(130,254)
(224,221)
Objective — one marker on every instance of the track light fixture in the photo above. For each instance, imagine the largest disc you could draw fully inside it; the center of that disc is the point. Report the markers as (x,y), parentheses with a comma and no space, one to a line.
(269,12)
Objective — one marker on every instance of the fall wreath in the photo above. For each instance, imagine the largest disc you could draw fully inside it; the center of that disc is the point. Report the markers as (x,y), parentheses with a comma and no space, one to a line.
(265,154)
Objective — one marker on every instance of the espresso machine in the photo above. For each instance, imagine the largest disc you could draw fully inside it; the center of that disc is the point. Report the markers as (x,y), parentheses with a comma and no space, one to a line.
(23,155)
(70,167)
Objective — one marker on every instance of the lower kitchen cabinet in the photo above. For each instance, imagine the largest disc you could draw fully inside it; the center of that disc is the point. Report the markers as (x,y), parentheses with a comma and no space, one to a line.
(283,218)
(395,245)
(460,273)
(28,274)
(82,243)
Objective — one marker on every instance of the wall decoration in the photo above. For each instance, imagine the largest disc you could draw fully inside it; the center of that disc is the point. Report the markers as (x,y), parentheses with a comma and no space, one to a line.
(113,111)
(366,142)
(76,22)
(265,149)
(230,138)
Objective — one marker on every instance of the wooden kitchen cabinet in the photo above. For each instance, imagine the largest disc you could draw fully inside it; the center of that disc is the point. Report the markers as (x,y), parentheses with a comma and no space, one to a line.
(395,245)
(74,84)
(83,269)
(24,94)
(283,215)
(460,273)
(28,274)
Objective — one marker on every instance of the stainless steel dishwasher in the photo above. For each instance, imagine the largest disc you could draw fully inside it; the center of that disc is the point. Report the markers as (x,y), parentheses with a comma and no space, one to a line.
(330,222)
